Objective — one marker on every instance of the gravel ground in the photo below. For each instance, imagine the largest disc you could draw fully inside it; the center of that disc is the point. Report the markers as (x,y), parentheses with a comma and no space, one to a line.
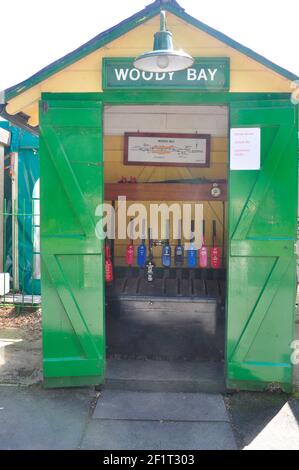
(20,346)
(25,318)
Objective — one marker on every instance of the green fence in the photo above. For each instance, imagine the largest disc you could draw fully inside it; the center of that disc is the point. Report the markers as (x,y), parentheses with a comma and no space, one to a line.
(21,253)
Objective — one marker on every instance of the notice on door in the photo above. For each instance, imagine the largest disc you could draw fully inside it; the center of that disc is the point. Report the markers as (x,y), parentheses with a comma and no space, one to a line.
(245,148)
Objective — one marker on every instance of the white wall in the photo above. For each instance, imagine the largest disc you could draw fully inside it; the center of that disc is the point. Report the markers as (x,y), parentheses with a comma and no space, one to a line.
(187,119)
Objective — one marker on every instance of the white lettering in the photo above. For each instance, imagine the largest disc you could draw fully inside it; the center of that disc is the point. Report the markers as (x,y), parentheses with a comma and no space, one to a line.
(170,74)
(134,74)
(212,73)
(121,74)
(115,460)
(147,77)
(160,76)
(202,75)
(191,74)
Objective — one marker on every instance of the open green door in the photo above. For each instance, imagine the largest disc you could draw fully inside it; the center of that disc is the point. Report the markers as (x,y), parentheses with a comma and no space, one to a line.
(72,257)
(262,261)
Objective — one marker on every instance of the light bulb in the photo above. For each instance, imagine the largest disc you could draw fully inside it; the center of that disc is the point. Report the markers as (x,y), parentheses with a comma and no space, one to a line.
(163,61)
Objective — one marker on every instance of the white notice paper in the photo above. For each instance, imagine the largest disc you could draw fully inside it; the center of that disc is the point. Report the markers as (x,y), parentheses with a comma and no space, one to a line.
(245,148)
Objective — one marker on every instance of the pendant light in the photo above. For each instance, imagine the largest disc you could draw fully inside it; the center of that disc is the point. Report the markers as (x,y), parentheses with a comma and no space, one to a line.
(163,58)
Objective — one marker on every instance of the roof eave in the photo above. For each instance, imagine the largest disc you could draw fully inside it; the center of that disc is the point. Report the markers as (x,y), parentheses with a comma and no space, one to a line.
(19,120)
(93,44)
(127,25)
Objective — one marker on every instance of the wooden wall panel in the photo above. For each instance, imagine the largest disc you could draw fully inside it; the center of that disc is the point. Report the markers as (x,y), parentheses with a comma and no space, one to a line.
(114,168)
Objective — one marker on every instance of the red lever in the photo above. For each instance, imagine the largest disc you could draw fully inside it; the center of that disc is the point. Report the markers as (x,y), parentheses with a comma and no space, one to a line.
(108,265)
(215,251)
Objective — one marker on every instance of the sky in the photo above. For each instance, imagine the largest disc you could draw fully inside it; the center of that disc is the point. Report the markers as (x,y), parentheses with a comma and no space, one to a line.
(34,33)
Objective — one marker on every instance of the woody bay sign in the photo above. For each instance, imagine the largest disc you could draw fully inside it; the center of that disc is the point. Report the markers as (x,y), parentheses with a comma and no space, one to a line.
(206,74)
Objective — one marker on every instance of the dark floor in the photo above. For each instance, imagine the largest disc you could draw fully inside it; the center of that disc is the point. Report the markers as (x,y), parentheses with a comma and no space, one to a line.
(173,330)
(180,316)
(171,282)
(165,376)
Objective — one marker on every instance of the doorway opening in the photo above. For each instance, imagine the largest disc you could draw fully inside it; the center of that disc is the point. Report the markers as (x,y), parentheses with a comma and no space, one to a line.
(180,315)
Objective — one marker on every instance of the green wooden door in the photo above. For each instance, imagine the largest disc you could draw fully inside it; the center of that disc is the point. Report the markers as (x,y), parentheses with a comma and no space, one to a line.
(72,257)
(262,234)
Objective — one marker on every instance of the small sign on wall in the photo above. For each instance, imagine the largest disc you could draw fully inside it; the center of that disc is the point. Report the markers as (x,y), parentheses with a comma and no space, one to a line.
(245,148)
(142,148)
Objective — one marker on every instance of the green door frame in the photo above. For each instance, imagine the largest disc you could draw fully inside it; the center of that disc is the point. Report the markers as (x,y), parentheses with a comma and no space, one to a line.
(165,97)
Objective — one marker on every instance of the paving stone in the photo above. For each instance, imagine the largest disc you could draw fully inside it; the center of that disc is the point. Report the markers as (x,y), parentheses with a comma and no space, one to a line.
(157,406)
(153,435)
(33,418)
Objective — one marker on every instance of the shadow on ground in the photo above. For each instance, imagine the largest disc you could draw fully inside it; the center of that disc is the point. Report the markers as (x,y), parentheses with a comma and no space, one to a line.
(264,421)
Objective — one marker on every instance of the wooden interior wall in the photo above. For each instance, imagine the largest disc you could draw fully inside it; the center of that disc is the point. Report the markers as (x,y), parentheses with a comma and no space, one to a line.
(211,210)
(114,170)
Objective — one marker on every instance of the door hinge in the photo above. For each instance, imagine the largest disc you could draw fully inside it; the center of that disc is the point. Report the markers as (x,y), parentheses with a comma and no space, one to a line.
(45,107)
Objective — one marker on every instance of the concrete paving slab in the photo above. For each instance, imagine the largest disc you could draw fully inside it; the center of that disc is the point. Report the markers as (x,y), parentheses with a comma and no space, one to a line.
(153,435)
(156,406)
(33,418)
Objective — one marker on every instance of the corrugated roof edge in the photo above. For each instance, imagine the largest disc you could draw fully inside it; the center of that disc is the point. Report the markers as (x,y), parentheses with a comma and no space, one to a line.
(118,30)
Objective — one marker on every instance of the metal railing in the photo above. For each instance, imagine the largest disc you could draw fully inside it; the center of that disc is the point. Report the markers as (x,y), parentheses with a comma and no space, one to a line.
(20,253)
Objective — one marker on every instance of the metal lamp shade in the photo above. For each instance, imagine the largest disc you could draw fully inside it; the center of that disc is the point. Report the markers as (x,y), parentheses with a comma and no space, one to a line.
(163,58)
